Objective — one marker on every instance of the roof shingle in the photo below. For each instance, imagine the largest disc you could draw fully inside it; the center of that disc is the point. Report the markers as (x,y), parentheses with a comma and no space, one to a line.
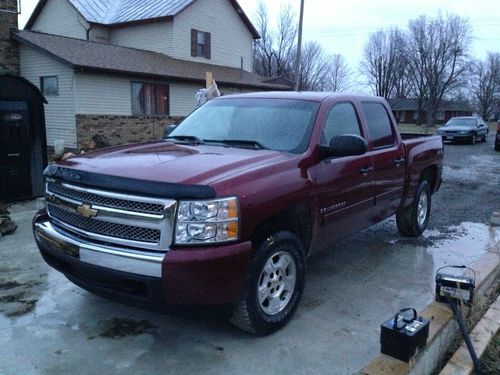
(100,57)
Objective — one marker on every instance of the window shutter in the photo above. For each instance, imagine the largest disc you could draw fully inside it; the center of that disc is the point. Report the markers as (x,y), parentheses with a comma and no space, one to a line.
(194,41)
(207,46)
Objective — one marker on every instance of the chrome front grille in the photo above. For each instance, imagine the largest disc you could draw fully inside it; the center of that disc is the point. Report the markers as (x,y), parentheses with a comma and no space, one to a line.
(127,232)
(125,220)
(84,196)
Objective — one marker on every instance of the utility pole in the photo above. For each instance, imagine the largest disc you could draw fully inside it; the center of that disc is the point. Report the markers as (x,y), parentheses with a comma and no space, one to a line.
(299,47)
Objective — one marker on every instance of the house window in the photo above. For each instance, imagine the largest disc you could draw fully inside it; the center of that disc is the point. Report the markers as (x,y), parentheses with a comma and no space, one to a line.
(150,98)
(440,115)
(200,43)
(49,85)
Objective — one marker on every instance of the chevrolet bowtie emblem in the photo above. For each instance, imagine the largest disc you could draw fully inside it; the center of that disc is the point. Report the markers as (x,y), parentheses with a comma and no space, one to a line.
(86,211)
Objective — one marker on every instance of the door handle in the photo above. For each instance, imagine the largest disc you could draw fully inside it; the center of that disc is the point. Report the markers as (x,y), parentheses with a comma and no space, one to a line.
(12,155)
(399,160)
(365,170)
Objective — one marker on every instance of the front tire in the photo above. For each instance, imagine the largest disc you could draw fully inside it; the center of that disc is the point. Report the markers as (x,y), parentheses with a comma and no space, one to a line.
(473,139)
(274,284)
(412,220)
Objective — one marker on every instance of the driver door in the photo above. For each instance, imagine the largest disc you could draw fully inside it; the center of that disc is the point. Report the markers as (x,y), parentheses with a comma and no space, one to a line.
(345,185)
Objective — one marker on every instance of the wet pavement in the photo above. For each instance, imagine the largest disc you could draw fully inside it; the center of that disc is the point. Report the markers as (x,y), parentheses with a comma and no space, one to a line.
(50,326)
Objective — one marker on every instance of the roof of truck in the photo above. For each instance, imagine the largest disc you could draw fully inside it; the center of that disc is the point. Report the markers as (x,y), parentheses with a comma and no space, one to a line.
(306,95)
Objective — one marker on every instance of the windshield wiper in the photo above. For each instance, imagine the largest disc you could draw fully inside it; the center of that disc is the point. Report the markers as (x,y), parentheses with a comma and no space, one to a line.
(190,138)
(238,142)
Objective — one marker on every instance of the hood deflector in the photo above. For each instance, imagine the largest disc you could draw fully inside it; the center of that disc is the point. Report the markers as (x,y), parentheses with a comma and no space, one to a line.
(130,185)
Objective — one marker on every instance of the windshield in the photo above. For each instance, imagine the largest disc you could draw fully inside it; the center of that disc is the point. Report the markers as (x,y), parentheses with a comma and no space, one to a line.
(461,122)
(276,124)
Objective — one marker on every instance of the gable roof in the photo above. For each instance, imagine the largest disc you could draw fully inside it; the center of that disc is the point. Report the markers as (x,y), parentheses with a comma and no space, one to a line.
(88,56)
(120,12)
(408,104)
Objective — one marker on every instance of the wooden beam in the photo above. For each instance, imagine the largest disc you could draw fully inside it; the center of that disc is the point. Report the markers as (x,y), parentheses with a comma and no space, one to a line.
(209,79)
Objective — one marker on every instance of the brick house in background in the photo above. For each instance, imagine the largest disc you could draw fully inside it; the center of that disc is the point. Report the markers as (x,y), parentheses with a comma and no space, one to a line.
(122,69)
(405,110)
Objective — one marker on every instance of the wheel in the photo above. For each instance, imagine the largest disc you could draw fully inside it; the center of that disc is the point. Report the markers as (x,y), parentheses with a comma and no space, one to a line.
(485,137)
(412,220)
(274,284)
(473,139)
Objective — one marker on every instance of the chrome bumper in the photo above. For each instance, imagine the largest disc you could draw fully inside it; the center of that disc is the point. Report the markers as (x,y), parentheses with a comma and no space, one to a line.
(131,261)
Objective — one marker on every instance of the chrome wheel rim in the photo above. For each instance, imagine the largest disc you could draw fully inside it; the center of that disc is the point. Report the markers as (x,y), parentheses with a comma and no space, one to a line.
(277,283)
(423,207)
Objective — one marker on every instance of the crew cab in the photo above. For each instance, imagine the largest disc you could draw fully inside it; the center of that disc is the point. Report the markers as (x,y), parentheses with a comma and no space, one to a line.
(225,209)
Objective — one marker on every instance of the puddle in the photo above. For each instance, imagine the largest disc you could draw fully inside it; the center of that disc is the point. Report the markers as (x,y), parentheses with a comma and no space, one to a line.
(460,245)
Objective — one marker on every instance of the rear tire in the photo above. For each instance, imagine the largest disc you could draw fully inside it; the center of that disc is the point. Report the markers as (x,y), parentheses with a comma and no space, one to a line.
(274,284)
(412,220)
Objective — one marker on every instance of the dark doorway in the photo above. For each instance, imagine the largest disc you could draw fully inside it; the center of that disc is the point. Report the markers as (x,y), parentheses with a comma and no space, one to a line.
(23,148)
(15,169)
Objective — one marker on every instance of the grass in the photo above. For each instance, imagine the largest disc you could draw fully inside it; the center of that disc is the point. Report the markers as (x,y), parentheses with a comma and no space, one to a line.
(490,361)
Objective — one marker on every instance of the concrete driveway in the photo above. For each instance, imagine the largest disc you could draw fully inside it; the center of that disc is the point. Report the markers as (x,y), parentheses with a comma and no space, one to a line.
(50,326)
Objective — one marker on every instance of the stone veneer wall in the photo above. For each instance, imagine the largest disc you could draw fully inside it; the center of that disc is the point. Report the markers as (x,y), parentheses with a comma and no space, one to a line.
(119,130)
(9,50)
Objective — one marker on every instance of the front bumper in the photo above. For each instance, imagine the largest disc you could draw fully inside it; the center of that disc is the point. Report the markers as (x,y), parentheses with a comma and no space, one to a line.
(179,277)
(452,137)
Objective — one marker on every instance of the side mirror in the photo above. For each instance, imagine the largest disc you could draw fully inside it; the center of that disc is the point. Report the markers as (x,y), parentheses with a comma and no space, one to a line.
(344,145)
(169,129)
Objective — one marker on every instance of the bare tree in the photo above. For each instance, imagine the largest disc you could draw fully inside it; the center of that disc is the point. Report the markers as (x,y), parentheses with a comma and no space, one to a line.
(383,61)
(313,68)
(338,75)
(486,86)
(273,53)
(438,58)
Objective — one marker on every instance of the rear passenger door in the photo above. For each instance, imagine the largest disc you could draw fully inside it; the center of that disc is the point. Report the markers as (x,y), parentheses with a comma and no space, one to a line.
(388,155)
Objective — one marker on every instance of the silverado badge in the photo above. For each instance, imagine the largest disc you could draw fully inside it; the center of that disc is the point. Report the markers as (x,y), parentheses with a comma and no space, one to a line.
(86,211)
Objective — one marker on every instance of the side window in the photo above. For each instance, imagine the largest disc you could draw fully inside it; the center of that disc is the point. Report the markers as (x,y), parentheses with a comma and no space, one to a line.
(379,124)
(49,85)
(200,43)
(341,120)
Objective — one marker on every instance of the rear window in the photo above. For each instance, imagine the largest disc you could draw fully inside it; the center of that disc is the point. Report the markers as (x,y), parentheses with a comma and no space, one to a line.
(379,124)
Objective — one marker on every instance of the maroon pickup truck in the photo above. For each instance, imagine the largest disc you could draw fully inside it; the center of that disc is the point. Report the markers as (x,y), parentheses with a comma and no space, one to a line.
(226,208)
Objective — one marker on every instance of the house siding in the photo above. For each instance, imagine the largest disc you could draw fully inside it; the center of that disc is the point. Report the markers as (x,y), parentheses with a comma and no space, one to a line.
(110,95)
(59,17)
(230,38)
(155,36)
(60,110)
(99,34)
(103,94)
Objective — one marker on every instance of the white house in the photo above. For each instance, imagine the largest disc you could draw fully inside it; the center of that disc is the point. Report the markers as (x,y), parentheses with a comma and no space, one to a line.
(121,69)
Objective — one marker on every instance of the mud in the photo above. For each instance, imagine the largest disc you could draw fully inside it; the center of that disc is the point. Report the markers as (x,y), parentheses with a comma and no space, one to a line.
(121,327)
(18,298)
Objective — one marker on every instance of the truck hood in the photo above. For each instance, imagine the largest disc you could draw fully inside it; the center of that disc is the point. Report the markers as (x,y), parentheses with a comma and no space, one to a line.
(174,163)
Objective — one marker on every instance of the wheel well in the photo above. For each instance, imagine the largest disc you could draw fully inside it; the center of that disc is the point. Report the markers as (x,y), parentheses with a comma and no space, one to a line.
(296,220)
(429,174)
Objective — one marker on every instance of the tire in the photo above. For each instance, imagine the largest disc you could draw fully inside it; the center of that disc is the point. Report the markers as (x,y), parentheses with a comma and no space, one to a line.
(473,139)
(485,137)
(412,220)
(278,260)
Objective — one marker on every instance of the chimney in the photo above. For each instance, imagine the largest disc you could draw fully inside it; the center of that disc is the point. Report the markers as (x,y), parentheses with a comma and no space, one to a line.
(9,50)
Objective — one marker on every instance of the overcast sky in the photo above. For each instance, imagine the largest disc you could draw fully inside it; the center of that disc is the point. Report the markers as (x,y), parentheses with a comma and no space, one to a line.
(344,26)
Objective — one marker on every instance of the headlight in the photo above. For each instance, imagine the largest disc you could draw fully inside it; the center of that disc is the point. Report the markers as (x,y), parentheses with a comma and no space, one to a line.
(207,221)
